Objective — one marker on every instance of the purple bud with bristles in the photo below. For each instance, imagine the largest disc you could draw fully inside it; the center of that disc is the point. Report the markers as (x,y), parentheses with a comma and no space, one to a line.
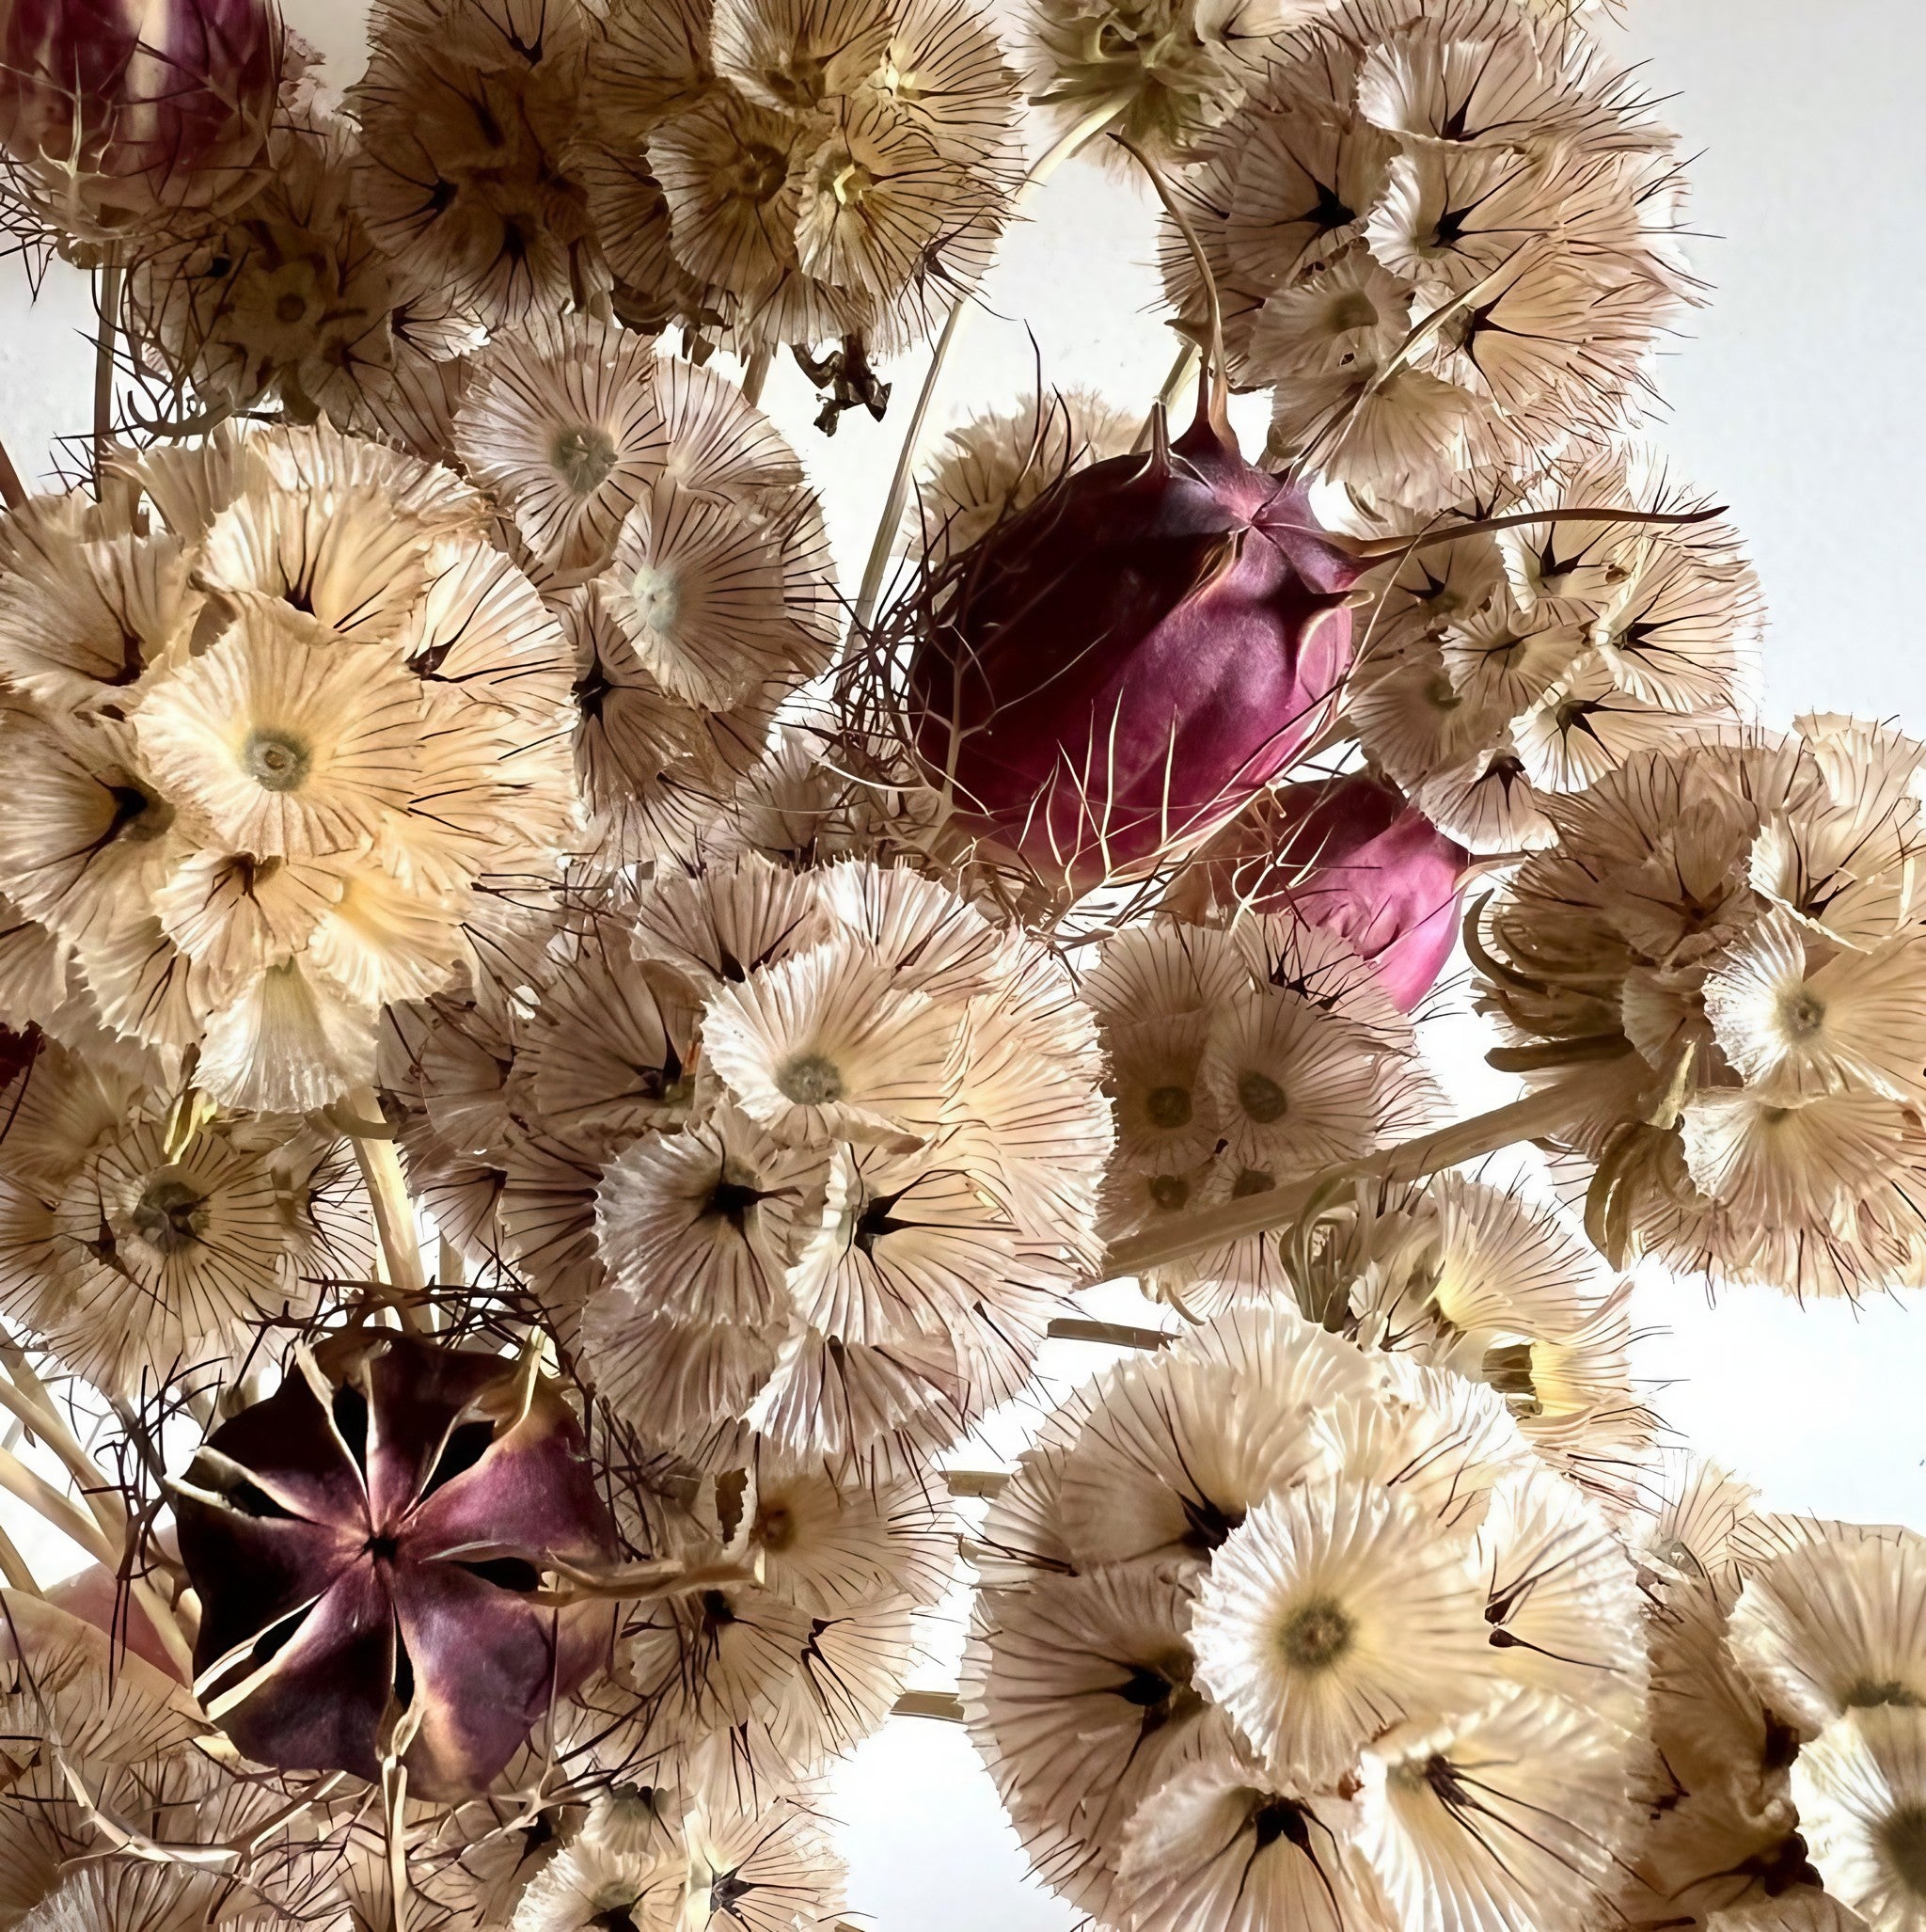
(1349,854)
(121,116)
(1110,674)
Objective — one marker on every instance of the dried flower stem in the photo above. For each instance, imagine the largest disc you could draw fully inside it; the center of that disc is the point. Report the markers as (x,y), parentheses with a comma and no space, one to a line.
(13,1567)
(1175,383)
(394,1212)
(28,1398)
(1216,397)
(394,1812)
(63,1513)
(1040,171)
(104,366)
(88,1479)
(1119,1335)
(1529,1119)
(944,1705)
(976,1482)
(12,489)
(757,374)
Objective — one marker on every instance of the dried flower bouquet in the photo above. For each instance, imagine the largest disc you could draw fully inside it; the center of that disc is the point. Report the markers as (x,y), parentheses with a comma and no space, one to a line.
(555,1065)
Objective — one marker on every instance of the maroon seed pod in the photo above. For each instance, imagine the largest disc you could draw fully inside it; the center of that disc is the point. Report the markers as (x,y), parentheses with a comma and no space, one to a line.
(366,1542)
(1110,674)
(121,116)
(1349,854)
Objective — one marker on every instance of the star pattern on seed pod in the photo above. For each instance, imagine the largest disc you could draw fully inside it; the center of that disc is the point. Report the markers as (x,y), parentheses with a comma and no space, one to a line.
(368,1545)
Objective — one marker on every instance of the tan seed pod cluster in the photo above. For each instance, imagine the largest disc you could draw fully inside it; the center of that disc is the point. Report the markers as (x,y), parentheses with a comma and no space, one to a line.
(1275,1633)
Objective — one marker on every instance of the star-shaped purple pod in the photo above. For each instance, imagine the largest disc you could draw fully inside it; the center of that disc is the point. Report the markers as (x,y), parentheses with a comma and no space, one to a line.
(367,1544)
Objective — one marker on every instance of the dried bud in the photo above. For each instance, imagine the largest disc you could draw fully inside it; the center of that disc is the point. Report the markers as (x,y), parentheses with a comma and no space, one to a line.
(365,1542)
(119,116)
(1347,854)
(1114,672)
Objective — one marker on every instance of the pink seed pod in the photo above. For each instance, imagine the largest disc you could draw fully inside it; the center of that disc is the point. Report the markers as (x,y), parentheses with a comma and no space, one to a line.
(1110,674)
(366,1542)
(1351,855)
(94,1595)
(128,117)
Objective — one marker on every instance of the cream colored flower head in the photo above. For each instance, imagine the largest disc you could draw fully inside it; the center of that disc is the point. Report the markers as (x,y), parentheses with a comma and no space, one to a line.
(1333,1612)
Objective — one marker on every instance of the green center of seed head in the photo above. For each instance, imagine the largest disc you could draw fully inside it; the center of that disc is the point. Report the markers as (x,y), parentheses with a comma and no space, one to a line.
(657,599)
(584,455)
(810,1079)
(1262,1098)
(1353,309)
(169,1215)
(1316,1635)
(276,761)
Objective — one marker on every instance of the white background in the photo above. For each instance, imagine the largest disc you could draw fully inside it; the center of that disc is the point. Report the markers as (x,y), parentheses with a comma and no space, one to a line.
(1799,397)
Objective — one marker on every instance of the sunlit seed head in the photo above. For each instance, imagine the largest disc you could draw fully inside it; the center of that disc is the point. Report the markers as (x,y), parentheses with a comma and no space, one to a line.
(1317,1635)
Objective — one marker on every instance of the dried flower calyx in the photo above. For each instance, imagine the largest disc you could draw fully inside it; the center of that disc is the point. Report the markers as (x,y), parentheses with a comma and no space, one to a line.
(368,1542)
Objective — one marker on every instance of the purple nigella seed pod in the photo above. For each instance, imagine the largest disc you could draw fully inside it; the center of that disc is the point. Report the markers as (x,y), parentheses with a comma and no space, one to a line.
(120,115)
(365,1542)
(1113,672)
(1349,854)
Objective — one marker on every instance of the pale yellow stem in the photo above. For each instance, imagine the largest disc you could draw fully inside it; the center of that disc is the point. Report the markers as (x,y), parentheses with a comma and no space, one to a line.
(976,1482)
(1119,1335)
(35,1408)
(1174,383)
(104,368)
(13,1566)
(63,1513)
(27,1396)
(944,1705)
(394,1212)
(1529,1119)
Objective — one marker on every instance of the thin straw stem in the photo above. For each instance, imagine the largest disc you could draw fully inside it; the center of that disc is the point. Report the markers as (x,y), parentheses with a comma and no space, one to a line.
(93,1487)
(63,1513)
(394,1221)
(1181,370)
(1530,1118)
(943,1705)
(1216,398)
(13,1566)
(756,374)
(103,366)
(890,521)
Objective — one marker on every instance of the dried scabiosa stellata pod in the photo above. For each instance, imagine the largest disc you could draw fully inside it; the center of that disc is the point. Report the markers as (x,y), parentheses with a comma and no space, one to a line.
(368,1545)
(1714,978)
(122,120)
